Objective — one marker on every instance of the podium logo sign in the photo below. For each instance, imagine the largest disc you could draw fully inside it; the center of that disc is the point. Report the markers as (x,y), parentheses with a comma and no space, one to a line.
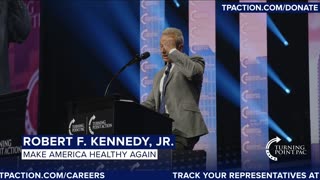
(9,147)
(76,128)
(277,139)
(283,150)
(91,123)
(95,124)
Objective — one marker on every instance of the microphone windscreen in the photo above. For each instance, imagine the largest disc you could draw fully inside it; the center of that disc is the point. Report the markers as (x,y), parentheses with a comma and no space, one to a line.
(145,55)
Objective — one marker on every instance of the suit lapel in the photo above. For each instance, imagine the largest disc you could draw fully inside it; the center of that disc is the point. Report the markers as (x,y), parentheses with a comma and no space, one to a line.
(157,84)
(169,78)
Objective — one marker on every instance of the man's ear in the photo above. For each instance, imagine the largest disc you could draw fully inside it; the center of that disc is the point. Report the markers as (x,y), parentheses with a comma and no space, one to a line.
(180,47)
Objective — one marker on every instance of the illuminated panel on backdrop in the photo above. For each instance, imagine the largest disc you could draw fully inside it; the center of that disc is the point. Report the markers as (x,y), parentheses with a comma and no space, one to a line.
(314,78)
(24,66)
(254,100)
(202,41)
(151,26)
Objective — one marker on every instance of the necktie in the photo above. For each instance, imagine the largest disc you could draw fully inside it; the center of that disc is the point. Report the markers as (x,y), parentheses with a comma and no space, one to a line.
(163,100)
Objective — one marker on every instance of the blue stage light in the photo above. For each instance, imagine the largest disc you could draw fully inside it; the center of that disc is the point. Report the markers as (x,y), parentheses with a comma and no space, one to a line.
(274,76)
(289,139)
(278,130)
(228,29)
(176,3)
(229,88)
(276,31)
(288,91)
(97,33)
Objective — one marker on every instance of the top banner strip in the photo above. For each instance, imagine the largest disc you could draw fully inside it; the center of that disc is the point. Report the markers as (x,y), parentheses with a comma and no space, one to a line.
(270,7)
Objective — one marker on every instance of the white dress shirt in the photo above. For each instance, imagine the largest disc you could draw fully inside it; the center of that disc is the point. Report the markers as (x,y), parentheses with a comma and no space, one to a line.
(161,81)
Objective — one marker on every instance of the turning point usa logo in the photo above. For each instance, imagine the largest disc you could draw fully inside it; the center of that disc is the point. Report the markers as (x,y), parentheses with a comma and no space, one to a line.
(274,149)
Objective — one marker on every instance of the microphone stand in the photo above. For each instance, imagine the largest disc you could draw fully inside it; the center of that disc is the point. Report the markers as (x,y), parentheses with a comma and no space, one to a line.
(134,60)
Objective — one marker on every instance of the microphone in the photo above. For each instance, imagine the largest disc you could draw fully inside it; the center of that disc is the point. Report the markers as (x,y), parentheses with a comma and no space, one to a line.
(139,58)
(136,59)
(145,55)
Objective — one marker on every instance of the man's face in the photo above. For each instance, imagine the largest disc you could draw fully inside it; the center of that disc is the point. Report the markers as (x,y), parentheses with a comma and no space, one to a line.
(166,42)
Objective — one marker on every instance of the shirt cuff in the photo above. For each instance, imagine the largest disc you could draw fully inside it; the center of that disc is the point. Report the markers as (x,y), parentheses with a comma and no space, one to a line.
(172,50)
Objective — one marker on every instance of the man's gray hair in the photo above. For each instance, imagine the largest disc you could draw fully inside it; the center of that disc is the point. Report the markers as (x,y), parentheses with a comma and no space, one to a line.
(176,32)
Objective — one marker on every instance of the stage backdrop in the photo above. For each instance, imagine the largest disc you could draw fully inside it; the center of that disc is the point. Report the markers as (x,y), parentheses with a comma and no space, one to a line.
(202,42)
(314,79)
(24,66)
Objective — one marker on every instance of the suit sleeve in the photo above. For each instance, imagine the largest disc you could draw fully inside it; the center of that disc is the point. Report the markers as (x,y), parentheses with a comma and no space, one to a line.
(19,23)
(150,102)
(190,66)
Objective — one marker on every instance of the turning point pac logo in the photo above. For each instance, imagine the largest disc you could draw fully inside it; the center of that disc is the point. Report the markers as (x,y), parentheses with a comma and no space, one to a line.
(277,139)
(283,150)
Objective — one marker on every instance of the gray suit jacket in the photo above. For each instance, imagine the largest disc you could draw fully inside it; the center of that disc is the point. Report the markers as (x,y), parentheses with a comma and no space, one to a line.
(183,89)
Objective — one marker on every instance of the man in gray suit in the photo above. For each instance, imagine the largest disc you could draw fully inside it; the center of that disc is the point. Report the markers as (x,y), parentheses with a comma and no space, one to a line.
(14,27)
(176,90)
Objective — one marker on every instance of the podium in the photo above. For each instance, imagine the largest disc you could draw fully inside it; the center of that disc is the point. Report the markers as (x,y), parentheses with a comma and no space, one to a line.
(108,115)
(12,116)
